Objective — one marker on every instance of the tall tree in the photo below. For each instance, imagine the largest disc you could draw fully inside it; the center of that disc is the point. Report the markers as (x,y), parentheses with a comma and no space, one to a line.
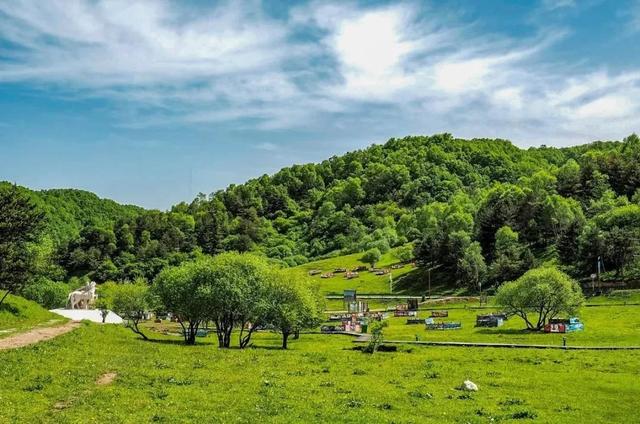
(21,223)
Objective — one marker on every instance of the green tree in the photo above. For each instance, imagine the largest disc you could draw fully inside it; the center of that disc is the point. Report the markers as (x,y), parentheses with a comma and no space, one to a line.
(132,301)
(539,295)
(404,253)
(21,223)
(291,305)
(472,270)
(49,294)
(377,336)
(511,258)
(371,256)
(185,291)
(239,285)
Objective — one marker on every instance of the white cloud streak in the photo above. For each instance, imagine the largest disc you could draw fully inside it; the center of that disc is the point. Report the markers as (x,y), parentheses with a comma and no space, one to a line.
(399,67)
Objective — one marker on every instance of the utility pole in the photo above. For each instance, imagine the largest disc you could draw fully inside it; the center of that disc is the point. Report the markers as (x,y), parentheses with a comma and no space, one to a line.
(429,271)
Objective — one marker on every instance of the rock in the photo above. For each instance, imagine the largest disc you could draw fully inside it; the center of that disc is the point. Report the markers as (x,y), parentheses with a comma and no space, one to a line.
(469,386)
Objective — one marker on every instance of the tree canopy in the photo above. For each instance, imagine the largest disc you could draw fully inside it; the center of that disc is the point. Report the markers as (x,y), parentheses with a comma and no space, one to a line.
(480,211)
(539,295)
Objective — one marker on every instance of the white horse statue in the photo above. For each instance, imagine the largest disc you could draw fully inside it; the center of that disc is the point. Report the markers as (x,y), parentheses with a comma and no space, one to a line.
(82,298)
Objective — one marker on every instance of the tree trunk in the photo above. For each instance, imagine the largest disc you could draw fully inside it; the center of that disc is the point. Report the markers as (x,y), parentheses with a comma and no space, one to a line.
(244,340)
(137,330)
(4,297)
(296,335)
(227,336)
(285,337)
(190,338)
(192,334)
(184,332)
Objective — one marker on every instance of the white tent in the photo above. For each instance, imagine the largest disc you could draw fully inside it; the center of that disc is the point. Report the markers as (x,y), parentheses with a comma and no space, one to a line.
(89,314)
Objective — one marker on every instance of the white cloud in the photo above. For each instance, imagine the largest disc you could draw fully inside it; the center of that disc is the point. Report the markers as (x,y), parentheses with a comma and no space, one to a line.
(389,69)
(134,43)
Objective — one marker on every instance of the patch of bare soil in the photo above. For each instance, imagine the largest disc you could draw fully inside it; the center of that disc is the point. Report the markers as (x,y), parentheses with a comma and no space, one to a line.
(106,378)
(36,335)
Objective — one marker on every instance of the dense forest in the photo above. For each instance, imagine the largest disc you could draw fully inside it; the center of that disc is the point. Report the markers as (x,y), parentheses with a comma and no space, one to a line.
(480,210)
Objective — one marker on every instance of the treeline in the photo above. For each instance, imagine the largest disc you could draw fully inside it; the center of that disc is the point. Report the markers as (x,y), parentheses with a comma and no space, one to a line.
(478,211)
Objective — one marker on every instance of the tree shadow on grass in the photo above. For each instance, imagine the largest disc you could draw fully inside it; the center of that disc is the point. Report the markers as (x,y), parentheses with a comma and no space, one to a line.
(171,342)
(265,347)
(14,310)
(213,344)
(506,331)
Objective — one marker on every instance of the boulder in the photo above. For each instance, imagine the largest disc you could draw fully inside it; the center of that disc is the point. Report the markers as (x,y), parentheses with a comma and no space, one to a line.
(469,386)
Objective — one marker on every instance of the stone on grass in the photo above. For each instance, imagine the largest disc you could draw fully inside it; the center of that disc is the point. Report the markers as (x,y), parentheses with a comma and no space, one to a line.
(469,386)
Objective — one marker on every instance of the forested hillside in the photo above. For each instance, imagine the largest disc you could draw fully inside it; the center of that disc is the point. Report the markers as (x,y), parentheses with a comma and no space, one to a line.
(68,211)
(477,210)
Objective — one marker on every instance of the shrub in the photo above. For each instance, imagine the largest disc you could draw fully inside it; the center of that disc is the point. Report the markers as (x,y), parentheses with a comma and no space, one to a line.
(49,294)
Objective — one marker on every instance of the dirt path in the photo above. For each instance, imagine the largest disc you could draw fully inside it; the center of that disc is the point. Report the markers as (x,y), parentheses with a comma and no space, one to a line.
(36,335)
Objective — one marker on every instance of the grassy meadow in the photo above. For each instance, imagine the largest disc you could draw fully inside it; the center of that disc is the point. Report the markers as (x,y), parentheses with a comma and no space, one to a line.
(105,373)
(604,326)
(320,379)
(366,282)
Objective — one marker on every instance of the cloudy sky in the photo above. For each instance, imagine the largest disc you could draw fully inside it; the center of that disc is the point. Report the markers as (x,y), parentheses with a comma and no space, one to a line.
(151,102)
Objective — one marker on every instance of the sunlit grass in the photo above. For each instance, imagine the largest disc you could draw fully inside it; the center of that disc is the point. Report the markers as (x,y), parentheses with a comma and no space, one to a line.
(320,379)
(18,314)
(366,282)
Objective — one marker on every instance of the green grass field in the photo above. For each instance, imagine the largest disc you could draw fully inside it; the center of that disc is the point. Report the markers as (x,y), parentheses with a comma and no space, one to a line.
(18,314)
(407,280)
(366,282)
(320,379)
(614,325)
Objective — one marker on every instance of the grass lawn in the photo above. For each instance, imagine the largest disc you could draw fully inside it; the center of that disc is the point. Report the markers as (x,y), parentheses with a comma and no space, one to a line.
(18,314)
(320,379)
(604,325)
(366,282)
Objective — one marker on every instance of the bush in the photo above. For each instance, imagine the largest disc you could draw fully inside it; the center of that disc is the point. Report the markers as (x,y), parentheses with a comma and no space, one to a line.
(404,253)
(49,294)
(371,257)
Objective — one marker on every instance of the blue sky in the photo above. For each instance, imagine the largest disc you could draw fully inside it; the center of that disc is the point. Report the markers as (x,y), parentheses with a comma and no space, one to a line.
(151,102)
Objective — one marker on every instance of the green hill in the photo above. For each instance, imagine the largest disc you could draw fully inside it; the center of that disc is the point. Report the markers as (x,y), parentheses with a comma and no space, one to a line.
(479,211)
(68,211)
(18,314)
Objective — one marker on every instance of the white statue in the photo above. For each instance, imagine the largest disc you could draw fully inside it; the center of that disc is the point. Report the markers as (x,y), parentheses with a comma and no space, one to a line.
(82,298)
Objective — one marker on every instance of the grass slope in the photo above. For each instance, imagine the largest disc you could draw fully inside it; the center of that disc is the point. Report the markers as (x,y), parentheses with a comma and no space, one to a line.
(319,380)
(18,314)
(366,282)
